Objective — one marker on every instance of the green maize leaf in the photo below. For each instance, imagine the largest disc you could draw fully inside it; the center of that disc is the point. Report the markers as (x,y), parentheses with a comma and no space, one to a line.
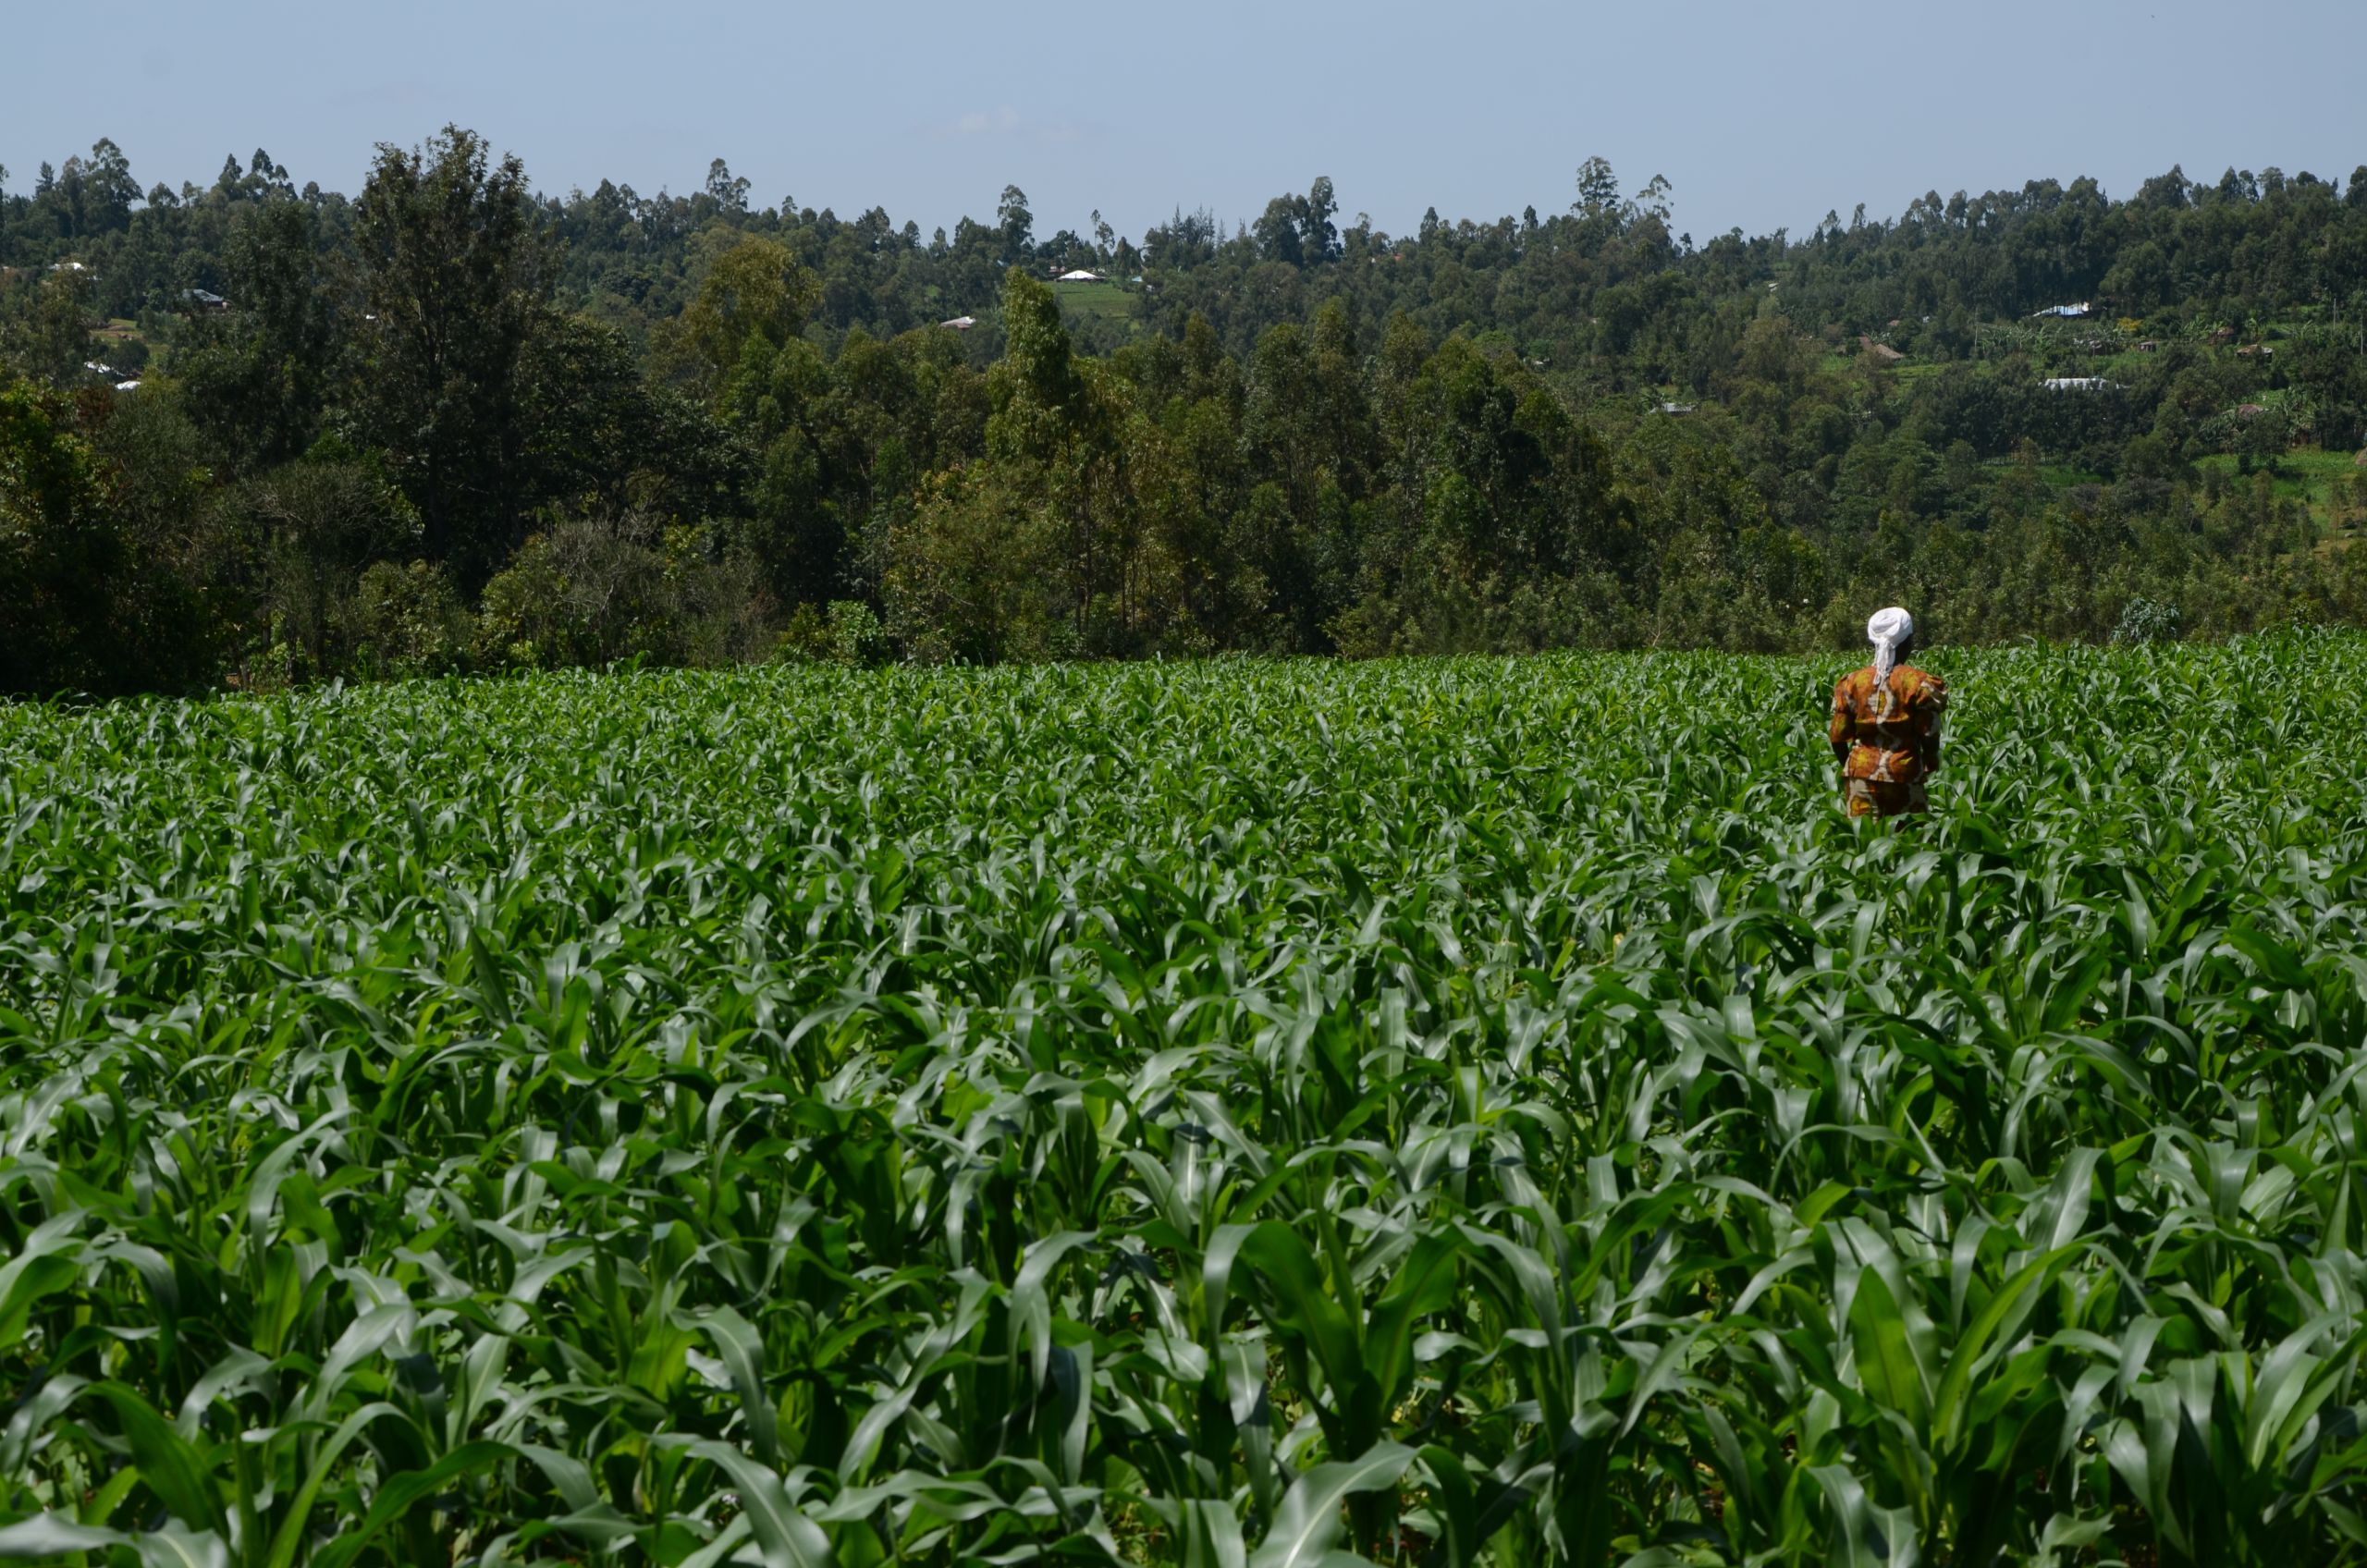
(1309,1520)
(1864,1536)
(48,1538)
(743,1353)
(174,1468)
(786,1538)
(52,1535)
(1209,1536)
(400,1494)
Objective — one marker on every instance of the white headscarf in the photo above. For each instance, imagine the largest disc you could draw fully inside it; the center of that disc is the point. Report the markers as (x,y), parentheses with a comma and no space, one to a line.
(1887,631)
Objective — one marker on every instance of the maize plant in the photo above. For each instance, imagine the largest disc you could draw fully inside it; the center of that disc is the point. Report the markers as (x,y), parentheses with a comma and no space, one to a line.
(1239,1115)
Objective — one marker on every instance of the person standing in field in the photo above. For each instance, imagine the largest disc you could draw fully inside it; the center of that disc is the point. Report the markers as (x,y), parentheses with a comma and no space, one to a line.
(1885,729)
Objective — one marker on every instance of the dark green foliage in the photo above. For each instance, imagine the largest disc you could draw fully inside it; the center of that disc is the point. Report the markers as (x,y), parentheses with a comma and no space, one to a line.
(1300,436)
(592,590)
(453,275)
(409,621)
(257,374)
(96,538)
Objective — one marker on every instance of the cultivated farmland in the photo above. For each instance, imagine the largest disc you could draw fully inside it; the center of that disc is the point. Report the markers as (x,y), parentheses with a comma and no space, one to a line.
(1456,1112)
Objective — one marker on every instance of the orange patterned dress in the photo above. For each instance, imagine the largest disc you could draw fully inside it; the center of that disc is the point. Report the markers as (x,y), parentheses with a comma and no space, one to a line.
(1888,737)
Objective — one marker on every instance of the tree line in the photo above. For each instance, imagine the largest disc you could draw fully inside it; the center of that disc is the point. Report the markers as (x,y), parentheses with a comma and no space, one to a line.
(258,434)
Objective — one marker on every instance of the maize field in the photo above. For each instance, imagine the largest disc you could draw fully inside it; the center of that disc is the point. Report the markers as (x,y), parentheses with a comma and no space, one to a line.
(1239,1115)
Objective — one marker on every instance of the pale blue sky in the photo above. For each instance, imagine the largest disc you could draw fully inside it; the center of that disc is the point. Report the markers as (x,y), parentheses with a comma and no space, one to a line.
(1759,115)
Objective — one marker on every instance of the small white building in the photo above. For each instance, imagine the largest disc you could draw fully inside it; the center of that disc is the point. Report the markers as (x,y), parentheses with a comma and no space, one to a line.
(2068,312)
(2079,383)
(1080,276)
(960,323)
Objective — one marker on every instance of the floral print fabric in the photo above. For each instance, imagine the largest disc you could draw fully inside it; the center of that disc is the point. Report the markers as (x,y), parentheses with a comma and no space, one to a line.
(1892,731)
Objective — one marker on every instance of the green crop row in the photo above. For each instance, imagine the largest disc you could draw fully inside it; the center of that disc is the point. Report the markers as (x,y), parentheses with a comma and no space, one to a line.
(1467,1113)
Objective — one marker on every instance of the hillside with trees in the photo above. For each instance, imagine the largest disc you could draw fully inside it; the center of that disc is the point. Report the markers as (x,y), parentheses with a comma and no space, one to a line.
(258,434)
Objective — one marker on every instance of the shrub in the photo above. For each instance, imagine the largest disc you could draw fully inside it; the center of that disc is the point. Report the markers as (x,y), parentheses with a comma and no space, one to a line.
(409,620)
(846,632)
(583,593)
(2146,620)
(97,593)
(288,552)
(589,591)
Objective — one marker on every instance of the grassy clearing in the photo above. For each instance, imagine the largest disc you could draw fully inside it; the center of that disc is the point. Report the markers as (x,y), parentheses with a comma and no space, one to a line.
(1097,301)
(2055,476)
(2328,482)
(2325,481)
(1482,1111)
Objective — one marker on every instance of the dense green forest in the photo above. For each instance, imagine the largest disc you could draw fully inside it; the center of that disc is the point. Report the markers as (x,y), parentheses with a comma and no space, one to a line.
(259,435)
